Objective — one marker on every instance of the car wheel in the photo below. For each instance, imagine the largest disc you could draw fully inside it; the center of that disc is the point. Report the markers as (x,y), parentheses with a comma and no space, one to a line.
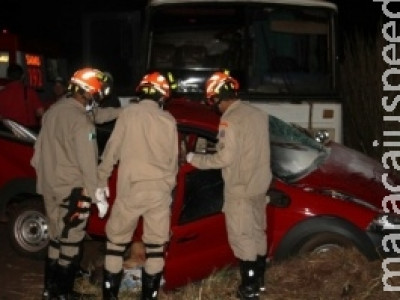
(324,242)
(320,234)
(28,229)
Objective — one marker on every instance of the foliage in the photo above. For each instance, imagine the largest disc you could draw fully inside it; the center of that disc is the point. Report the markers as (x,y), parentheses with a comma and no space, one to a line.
(362,88)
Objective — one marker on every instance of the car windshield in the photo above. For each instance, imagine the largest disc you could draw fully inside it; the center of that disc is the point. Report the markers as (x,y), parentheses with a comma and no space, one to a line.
(270,49)
(294,153)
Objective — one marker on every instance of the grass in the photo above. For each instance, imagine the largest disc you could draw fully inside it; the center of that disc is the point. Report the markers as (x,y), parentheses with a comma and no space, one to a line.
(342,274)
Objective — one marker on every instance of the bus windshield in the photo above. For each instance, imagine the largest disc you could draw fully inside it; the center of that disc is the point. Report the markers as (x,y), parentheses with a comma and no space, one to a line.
(270,48)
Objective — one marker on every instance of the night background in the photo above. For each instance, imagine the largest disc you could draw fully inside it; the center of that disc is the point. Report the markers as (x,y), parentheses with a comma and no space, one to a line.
(58,22)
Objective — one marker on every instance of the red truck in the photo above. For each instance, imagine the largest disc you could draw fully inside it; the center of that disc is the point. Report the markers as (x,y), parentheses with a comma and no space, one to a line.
(42,61)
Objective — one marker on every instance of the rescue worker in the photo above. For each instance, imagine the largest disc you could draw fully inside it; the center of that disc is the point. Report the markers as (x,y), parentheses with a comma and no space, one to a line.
(145,142)
(65,159)
(111,100)
(243,154)
(58,91)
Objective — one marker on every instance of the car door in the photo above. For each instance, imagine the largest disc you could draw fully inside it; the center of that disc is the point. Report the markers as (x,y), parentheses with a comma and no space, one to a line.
(198,243)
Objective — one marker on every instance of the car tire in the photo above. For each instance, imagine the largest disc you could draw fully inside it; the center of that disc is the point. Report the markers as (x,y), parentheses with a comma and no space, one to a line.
(323,232)
(323,242)
(28,229)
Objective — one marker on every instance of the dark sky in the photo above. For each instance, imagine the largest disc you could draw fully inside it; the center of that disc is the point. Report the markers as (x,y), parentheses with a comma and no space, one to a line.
(53,20)
(57,22)
(362,15)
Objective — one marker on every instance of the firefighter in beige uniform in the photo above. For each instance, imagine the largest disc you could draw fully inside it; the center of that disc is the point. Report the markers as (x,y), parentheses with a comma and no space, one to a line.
(65,160)
(145,142)
(243,154)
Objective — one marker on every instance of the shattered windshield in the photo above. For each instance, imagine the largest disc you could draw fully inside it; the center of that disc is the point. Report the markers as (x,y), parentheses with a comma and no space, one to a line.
(269,48)
(294,154)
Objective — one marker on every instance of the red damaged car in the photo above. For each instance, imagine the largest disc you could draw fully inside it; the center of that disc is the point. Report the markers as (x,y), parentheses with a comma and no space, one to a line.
(322,196)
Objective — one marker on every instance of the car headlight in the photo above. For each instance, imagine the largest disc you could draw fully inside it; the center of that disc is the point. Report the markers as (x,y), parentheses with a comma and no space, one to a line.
(322,136)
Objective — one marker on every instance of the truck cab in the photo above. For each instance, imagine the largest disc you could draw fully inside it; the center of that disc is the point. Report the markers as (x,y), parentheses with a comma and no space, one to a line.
(42,62)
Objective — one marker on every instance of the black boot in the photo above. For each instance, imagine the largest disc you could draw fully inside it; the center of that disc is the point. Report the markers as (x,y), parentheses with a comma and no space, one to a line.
(111,284)
(150,285)
(65,282)
(261,267)
(249,287)
(50,271)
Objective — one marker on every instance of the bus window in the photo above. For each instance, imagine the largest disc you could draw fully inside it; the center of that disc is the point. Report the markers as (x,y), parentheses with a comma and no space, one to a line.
(290,51)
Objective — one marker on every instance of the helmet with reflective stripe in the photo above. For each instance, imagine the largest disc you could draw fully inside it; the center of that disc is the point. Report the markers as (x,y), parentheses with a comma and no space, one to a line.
(90,80)
(221,86)
(156,86)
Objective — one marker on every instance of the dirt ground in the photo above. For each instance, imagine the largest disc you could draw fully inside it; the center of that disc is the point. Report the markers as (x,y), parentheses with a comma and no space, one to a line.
(22,278)
(342,274)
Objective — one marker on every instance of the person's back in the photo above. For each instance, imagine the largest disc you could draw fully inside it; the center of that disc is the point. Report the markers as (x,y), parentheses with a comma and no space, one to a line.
(58,138)
(111,100)
(248,175)
(19,102)
(147,153)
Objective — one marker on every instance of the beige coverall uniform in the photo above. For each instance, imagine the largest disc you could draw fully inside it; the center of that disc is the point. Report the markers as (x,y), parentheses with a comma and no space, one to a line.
(66,157)
(145,142)
(243,154)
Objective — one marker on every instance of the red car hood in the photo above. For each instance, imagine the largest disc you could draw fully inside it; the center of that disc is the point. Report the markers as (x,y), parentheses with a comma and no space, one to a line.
(351,172)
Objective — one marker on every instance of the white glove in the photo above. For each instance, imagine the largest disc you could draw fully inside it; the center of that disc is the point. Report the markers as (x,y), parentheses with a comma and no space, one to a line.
(189,157)
(101,197)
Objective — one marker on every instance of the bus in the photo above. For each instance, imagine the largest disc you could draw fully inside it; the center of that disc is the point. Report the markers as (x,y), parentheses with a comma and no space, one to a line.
(283,52)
